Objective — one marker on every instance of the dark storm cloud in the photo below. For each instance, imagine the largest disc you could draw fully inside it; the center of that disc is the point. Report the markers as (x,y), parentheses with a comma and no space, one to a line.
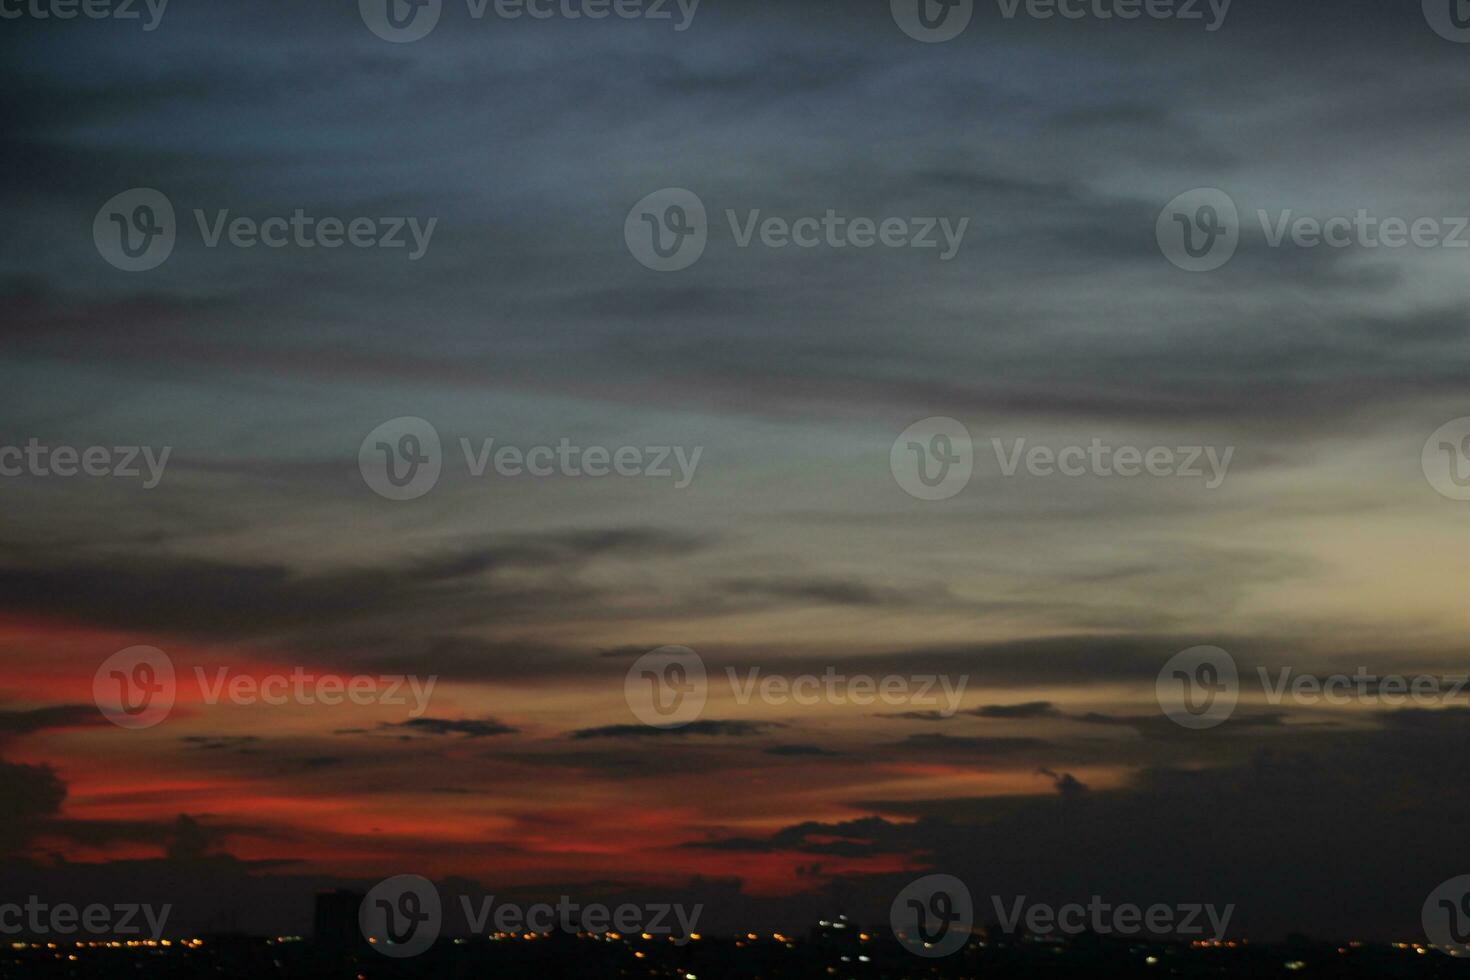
(979,745)
(794,751)
(626,652)
(1054,661)
(1163,728)
(1067,742)
(1066,783)
(1150,726)
(772,82)
(396,617)
(184,596)
(1060,141)
(38,311)
(608,758)
(32,795)
(469,728)
(217,743)
(705,727)
(55,716)
(642,302)
(178,836)
(1072,661)
(1028,709)
(837,592)
(1221,834)
(851,838)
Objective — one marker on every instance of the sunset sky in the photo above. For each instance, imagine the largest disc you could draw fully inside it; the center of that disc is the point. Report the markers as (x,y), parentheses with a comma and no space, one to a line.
(793,549)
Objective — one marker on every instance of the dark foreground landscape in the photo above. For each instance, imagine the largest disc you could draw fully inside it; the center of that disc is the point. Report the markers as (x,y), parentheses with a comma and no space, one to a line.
(709,959)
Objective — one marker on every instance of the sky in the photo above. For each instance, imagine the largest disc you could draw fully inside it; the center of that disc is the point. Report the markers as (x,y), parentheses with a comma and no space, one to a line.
(794,546)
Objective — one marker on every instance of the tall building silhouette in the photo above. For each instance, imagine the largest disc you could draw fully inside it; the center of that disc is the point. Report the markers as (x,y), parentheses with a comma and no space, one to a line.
(335,921)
